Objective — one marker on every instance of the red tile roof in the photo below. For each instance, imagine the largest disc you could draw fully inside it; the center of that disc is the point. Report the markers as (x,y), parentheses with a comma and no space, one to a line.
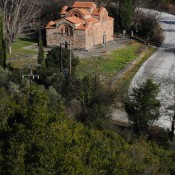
(63,10)
(95,12)
(51,25)
(93,20)
(83,4)
(74,20)
(110,18)
(85,26)
(101,9)
(80,27)
(84,11)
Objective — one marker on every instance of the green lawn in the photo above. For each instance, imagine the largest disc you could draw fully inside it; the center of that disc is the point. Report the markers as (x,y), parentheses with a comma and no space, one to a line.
(108,66)
(123,83)
(18,49)
(24,55)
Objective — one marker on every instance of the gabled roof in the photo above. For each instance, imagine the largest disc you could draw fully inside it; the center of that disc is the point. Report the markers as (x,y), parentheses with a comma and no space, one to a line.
(81,27)
(74,20)
(93,20)
(83,4)
(84,11)
(110,18)
(95,12)
(51,25)
(63,10)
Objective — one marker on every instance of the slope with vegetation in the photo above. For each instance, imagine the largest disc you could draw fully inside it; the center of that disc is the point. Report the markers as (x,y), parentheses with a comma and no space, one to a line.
(58,124)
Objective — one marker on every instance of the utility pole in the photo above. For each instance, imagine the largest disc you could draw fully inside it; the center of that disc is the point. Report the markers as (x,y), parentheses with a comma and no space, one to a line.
(31,75)
(70,58)
(61,60)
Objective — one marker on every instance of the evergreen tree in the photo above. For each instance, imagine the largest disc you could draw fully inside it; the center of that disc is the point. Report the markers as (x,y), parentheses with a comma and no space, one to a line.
(41,59)
(2,45)
(126,11)
(143,106)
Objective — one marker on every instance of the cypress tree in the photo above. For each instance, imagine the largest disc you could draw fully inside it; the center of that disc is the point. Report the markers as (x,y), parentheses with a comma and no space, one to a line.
(126,13)
(41,59)
(2,45)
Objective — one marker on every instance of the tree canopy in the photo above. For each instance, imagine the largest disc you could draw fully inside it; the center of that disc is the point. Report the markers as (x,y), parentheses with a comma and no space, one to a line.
(143,106)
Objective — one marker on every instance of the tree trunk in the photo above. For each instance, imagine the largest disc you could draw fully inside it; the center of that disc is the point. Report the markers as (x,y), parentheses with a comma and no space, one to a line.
(172,128)
(10,48)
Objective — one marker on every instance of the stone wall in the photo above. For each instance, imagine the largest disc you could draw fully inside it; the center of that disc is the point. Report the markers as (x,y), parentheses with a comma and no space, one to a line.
(83,39)
(54,38)
(99,34)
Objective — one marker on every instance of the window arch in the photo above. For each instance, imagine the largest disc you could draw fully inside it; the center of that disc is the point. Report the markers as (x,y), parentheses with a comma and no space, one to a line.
(75,13)
(68,30)
(62,31)
(66,45)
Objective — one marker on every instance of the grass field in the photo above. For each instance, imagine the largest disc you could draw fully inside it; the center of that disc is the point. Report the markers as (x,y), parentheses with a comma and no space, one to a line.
(109,65)
(18,49)
(24,55)
(20,64)
(123,83)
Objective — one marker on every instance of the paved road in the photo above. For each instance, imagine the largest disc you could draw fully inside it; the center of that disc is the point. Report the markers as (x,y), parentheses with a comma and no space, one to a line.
(161,65)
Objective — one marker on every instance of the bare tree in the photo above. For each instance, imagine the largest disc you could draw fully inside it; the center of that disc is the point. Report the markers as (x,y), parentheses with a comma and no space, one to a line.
(167,97)
(17,16)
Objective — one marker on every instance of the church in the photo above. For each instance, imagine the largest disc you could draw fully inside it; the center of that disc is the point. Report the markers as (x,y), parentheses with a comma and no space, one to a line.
(83,24)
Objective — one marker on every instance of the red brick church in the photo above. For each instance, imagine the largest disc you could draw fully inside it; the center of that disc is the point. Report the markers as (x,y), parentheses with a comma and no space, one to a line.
(84,24)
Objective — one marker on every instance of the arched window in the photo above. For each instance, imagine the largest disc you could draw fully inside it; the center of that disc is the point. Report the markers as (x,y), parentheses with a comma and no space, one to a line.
(76,14)
(67,31)
(66,45)
(62,32)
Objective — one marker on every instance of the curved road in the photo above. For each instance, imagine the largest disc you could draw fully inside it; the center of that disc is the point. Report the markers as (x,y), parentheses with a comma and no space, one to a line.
(161,67)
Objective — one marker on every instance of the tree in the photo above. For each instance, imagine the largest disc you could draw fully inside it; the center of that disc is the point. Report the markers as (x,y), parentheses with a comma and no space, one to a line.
(126,13)
(167,97)
(2,45)
(143,106)
(41,59)
(18,15)
(58,59)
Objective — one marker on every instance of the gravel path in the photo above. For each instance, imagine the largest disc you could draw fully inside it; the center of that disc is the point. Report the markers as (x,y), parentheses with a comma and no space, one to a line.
(102,50)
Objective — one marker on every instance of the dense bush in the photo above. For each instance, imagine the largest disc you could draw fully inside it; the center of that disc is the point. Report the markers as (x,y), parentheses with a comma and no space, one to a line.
(36,140)
(149,29)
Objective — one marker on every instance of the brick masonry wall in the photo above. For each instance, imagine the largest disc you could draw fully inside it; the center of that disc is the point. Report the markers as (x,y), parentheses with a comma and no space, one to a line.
(78,40)
(82,39)
(95,36)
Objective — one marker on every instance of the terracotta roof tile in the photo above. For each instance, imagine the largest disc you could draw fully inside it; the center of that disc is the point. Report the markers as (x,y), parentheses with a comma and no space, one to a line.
(83,4)
(51,25)
(95,12)
(85,26)
(84,11)
(93,20)
(110,18)
(101,9)
(63,10)
(80,27)
(74,20)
